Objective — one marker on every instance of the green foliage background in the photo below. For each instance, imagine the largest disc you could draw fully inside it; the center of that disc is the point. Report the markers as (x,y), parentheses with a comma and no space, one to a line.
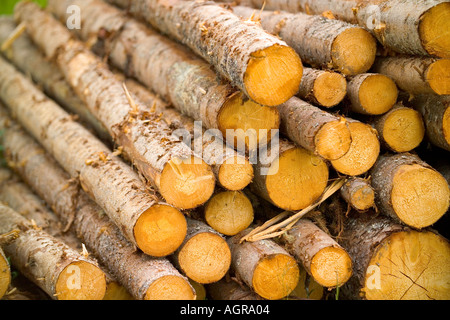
(7,6)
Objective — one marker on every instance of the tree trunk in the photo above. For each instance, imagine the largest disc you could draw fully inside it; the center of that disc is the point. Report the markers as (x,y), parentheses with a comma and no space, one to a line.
(106,178)
(183,180)
(264,266)
(320,42)
(409,190)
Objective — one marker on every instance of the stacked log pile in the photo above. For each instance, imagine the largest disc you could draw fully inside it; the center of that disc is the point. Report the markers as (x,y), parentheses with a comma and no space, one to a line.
(248,150)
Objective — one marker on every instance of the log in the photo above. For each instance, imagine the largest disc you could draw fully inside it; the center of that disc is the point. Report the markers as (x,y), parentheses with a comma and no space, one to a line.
(319,41)
(371,93)
(358,193)
(323,133)
(416,75)
(152,278)
(106,177)
(232,170)
(264,67)
(387,264)
(435,111)
(401,129)
(5,274)
(289,177)
(183,180)
(204,256)
(26,57)
(61,272)
(364,150)
(229,212)
(323,88)
(264,266)
(321,256)
(415,27)
(190,84)
(409,190)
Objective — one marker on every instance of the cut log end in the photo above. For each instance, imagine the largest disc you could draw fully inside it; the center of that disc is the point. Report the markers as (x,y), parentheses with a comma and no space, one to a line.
(333,140)
(307,288)
(434,30)
(409,266)
(81,280)
(438,76)
(446,125)
(363,153)
(5,274)
(170,287)
(403,129)
(275,276)
(229,212)
(330,89)
(250,122)
(160,230)
(377,94)
(205,258)
(420,196)
(187,183)
(296,179)
(331,267)
(353,51)
(273,75)
(235,173)
(362,197)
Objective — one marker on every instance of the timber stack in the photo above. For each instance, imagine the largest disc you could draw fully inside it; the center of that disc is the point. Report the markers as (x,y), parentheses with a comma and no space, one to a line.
(235,150)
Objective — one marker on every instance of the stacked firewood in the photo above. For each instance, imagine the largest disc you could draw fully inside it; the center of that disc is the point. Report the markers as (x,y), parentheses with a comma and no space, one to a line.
(253,150)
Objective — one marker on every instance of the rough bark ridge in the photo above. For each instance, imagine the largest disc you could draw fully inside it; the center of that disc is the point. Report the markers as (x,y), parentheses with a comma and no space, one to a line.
(177,75)
(86,219)
(144,138)
(402,25)
(114,185)
(43,259)
(320,42)
(227,43)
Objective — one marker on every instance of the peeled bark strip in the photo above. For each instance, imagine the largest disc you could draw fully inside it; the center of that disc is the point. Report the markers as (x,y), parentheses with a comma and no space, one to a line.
(26,57)
(322,87)
(204,256)
(401,129)
(113,184)
(358,193)
(371,93)
(264,67)
(409,190)
(323,258)
(290,177)
(320,42)
(5,274)
(318,131)
(177,75)
(60,271)
(416,75)
(229,212)
(435,111)
(387,264)
(364,150)
(229,289)
(232,170)
(182,179)
(264,266)
(416,27)
(152,278)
